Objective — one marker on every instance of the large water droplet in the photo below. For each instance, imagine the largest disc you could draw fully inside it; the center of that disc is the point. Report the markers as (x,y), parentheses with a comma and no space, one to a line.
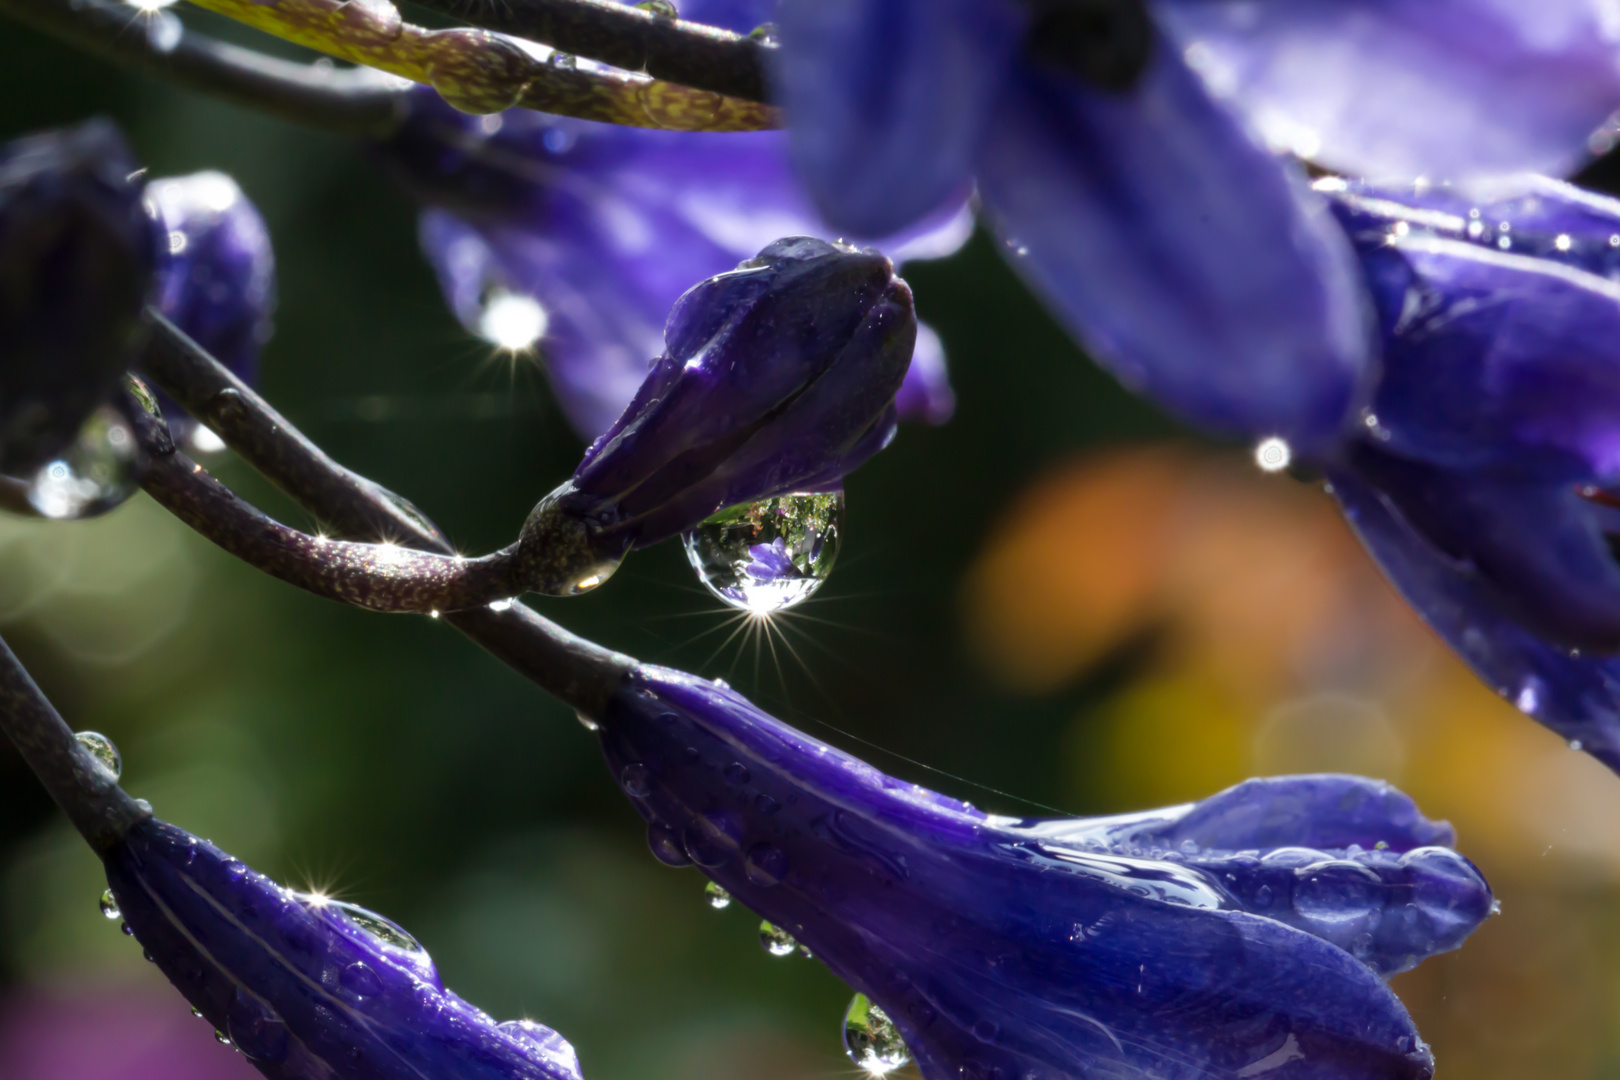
(766,34)
(636,779)
(769,555)
(666,846)
(383,930)
(109,906)
(719,899)
(102,749)
(871,1039)
(777,941)
(1338,892)
(94,475)
(256,1029)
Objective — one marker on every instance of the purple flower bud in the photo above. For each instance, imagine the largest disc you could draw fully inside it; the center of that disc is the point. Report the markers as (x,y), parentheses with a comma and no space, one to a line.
(306,987)
(216,271)
(777,377)
(76,255)
(1222,938)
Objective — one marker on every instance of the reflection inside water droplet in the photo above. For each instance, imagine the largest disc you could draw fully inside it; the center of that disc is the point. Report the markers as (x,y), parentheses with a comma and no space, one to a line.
(777,941)
(109,906)
(383,930)
(719,899)
(871,1039)
(94,475)
(102,749)
(769,555)
(659,7)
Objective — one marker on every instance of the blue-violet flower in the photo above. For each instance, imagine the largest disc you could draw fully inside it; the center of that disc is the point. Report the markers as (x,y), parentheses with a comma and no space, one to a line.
(1246,933)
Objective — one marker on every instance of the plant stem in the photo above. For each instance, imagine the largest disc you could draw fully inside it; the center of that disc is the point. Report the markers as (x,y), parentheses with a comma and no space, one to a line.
(576,670)
(626,37)
(478,72)
(91,797)
(349,102)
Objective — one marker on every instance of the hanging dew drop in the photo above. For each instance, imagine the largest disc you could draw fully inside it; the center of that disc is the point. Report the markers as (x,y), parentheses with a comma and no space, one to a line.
(94,475)
(768,556)
(871,1039)
(662,8)
(102,749)
(777,941)
(109,907)
(765,34)
(719,899)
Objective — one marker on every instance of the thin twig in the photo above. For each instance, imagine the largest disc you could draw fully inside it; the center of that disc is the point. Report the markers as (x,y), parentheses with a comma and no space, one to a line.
(578,671)
(480,72)
(357,102)
(681,52)
(91,797)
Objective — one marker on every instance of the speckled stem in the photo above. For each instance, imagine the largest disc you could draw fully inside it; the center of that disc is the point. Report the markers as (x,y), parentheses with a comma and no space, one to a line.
(97,806)
(673,50)
(578,671)
(478,72)
(351,102)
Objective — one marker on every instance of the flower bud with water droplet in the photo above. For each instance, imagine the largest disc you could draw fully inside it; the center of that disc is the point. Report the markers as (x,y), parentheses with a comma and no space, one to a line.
(777,378)
(216,278)
(76,265)
(1191,940)
(306,986)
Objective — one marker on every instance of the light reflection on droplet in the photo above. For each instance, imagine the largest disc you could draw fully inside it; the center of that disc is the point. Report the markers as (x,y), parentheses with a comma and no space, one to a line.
(718,898)
(512,321)
(102,749)
(1273,455)
(871,1039)
(777,941)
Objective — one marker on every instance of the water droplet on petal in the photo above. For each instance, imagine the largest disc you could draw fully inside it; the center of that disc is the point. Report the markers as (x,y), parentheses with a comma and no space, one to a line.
(1262,897)
(666,846)
(124,928)
(109,906)
(221,1038)
(586,722)
(766,34)
(871,1039)
(661,8)
(196,1012)
(765,864)
(256,1029)
(383,930)
(719,899)
(737,773)
(102,749)
(94,475)
(567,61)
(768,556)
(359,980)
(777,941)
(636,779)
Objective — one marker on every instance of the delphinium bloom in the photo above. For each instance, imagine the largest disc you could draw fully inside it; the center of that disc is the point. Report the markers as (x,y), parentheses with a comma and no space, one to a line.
(1483,478)
(1189,259)
(306,987)
(1245,935)
(777,379)
(576,237)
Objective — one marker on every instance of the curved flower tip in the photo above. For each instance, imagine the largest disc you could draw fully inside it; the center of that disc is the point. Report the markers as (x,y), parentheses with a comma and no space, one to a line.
(574,239)
(76,250)
(1448,89)
(1576,695)
(216,269)
(1197,267)
(309,988)
(1245,935)
(778,377)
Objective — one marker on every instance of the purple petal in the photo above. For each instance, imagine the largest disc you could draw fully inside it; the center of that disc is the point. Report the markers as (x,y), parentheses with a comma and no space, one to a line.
(998,949)
(1501,323)
(926,394)
(604,228)
(1576,696)
(1196,267)
(309,989)
(887,102)
(1392,89)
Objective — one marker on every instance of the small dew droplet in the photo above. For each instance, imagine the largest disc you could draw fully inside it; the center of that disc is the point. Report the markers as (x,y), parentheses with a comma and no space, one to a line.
(719,899)
(871,1039)
(109,906)
(124,928)
(770,555)
(636,779)
(777,941)
(662,8)
(1273,455)
(766,34)
(221,1038)
(102,749)
(566,61)
(586,722)
(196,1012)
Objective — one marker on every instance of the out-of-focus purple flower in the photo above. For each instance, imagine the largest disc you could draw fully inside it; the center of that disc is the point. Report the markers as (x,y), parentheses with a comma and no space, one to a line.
(76,264)
(308,988)
(1480,478)
(216,270)
(1230,937)
(1167,237)
(576,237)
(68,1033)
(777,377)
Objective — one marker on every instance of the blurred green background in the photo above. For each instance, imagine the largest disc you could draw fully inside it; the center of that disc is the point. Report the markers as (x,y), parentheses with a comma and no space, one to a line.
(1056,600)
